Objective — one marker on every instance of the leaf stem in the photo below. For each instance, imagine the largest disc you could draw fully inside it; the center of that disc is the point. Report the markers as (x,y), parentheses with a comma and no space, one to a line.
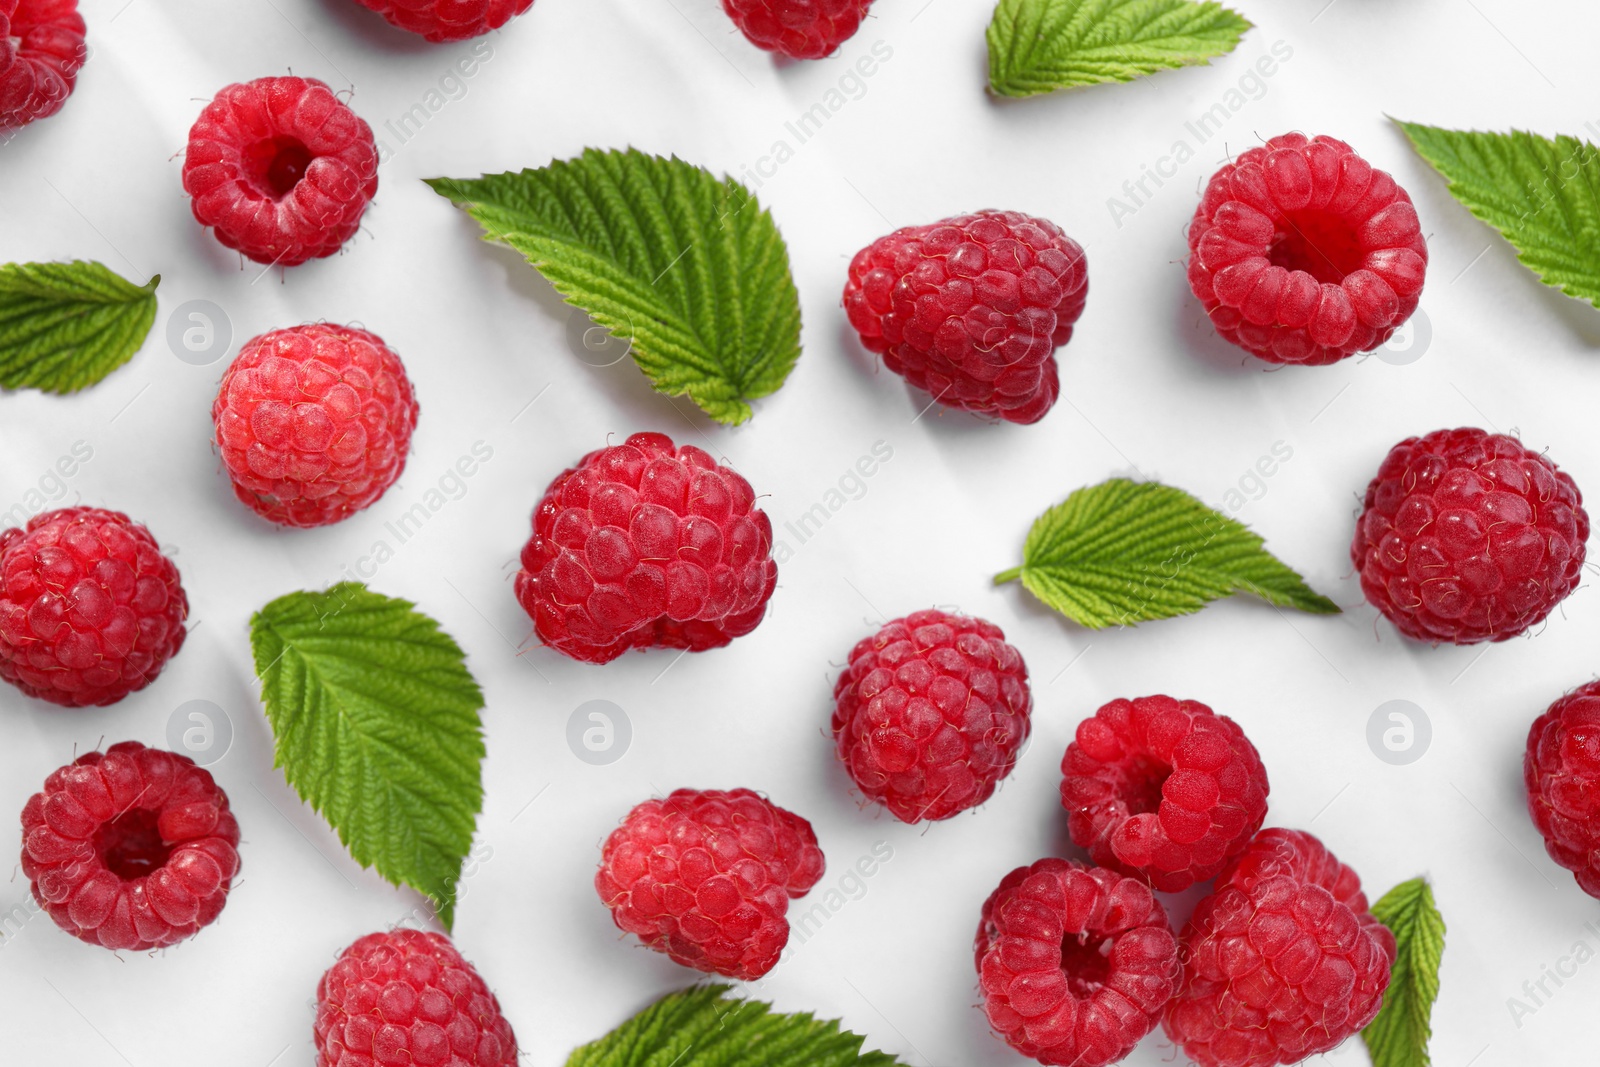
(1008,576)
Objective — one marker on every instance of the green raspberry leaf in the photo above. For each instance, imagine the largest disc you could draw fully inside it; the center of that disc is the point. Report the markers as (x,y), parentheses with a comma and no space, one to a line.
(1038,46)
(1542,195)
(688,268)
(1124,552)
(375,721)
(703,1027)
(1398,1037)
(65,326)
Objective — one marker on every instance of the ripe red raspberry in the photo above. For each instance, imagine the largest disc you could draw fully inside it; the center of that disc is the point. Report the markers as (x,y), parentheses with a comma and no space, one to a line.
(646,545)
(800,29)
(706,877)
(448,20)
(1282,961)
(407,997)
(1163,789)
(972,309)
(314,423)
(1302,252)
(281,169)
(1562,773)
(41,50)
(1467,536)
(90,610)
(1075,963)
(931,713)
(133,848)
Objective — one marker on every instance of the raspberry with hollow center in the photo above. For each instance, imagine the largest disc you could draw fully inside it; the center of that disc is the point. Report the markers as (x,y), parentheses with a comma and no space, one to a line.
(972,309)
(1561,771)
(1282,961)
(1162,789)
(931,713)
(800,29)
(646,545)
(90,610)
(280,169)
(706,877)
(1302,252)
(1467,536)
(133,848)
(41,51)
(314,423)
(448,20)
(1075,963)
(407,997)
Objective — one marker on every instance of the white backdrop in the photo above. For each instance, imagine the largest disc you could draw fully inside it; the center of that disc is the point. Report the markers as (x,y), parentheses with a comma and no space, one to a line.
(1148,390)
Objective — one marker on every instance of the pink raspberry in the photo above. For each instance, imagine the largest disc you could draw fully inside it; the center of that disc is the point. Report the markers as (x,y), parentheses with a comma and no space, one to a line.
(1075,963)
(1562,773)
(133,848)
(706,877)
(41,51)
(280,169)
(931,713)
(407,997)
(1162,789)
(448,20)
(1302,252)
(1282,961)
(314,423)
(800,29)
(646,545)
(90,610)
(972,309)
(1467,536)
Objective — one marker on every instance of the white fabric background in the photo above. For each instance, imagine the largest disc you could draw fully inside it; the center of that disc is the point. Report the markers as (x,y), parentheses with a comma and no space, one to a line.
(1147,390)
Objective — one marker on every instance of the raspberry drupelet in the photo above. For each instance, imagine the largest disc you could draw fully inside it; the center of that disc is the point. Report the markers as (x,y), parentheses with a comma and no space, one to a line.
(1467,536)
(41,51)
(971,309)
(1561,770)
(799,29)
(1302,252)
(448,20)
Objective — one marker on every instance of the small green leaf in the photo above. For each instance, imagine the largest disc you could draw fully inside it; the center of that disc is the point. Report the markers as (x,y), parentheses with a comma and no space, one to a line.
(65,326)
(703,1027)
(1542,195)
(1123,552)
(375,719)
(687,267)
(1038,46)
(1398,1037)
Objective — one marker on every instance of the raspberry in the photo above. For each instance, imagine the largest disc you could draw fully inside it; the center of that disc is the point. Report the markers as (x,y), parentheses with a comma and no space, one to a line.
(448,20)
(1562,772)
(408,997)
(972,309)
(90,610)
(1162,789)
(1282,961)
(41,51)
(644,545)
(800,29)
(931,714)
(280,169)
(706,877)
(133,848)
(1466,536)
(1302,252)
(314,423)
(1075,963)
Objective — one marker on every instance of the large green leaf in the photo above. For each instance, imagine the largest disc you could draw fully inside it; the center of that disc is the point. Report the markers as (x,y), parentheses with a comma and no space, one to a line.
(687,267)
(376,723)
(1399,1036)
(65,326)
(703,1027)
(1542,195)
(1037,46)
(1123,552)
